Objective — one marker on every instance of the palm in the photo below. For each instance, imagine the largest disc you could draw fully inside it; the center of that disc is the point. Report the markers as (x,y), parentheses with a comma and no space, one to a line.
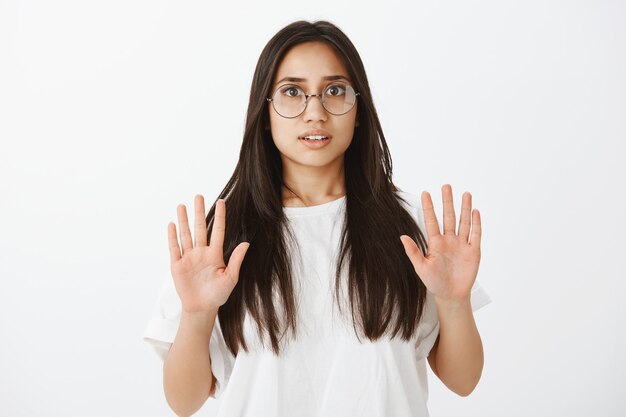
(202,280)
(450,266)
(199,282)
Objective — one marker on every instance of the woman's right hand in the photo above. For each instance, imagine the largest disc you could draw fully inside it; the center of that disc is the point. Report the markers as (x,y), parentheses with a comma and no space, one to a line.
(202,280)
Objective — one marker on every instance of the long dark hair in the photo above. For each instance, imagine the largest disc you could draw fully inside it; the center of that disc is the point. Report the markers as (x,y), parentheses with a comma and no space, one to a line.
(386,295)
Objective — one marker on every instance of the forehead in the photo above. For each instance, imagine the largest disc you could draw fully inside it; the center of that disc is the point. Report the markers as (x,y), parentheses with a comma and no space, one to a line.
(311,61)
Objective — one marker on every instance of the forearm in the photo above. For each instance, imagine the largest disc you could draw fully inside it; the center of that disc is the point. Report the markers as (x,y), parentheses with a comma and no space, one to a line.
(459,357)
(187,376)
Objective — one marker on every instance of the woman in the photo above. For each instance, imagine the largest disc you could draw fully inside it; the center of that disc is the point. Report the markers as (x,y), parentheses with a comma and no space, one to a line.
(256,318)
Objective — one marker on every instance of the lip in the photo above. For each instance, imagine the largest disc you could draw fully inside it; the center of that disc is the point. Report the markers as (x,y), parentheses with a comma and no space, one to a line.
(315,144)
(316,132)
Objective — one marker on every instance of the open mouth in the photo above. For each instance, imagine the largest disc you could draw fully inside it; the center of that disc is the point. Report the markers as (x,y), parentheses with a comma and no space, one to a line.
(315,138)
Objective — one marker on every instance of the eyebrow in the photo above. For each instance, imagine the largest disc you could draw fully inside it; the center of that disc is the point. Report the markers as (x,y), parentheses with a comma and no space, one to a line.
(327,78)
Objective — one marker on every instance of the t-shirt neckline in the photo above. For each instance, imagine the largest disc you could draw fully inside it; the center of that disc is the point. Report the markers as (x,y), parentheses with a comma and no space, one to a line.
(328,207)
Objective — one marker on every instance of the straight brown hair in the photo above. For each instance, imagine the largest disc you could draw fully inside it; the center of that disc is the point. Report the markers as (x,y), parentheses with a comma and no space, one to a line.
(386,296)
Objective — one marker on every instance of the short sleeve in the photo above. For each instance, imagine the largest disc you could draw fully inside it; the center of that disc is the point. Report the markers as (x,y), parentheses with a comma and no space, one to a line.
(428,329)
(161,329)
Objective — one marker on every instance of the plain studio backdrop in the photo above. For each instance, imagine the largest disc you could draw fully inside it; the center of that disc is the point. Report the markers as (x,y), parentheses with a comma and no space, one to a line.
(112,113)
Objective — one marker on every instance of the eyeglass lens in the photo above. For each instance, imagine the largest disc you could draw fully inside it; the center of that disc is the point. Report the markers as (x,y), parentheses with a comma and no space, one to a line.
(337,99)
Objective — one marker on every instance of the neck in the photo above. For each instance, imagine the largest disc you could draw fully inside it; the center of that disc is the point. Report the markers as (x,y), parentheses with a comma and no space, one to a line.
(310,186)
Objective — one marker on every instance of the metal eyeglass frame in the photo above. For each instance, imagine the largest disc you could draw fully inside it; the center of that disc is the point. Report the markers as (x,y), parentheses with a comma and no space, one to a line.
(306,103)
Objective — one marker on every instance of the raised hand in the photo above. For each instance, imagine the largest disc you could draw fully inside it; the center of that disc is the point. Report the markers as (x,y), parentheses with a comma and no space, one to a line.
(202,280)
(450,266)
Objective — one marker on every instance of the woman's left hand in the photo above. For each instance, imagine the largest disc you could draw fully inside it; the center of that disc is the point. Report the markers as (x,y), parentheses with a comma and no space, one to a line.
(450,266)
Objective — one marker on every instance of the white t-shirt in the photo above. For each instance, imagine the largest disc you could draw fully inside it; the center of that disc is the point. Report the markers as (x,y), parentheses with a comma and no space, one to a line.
(326,371)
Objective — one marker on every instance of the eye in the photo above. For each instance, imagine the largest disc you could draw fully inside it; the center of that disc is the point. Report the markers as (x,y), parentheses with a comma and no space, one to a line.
(336,90)
(291,91)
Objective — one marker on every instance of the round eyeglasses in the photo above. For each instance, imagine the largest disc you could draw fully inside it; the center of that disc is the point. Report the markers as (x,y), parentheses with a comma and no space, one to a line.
(290,101)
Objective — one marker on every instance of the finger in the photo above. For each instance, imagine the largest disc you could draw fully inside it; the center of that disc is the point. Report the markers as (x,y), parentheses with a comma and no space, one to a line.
(200,222)
(466,215)
(173,242)
(413,252)
(449,217)
(185,233)
(476,229)
(430,219)
(219,227)
(236,259)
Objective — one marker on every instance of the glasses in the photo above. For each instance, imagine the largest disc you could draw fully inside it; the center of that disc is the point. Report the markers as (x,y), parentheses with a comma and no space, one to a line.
(290,101)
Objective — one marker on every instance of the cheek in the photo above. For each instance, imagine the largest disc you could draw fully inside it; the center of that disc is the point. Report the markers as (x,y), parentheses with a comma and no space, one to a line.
(281,131)
(349,126)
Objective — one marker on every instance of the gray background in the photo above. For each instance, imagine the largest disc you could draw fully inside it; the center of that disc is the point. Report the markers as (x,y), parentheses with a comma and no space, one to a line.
(112,113)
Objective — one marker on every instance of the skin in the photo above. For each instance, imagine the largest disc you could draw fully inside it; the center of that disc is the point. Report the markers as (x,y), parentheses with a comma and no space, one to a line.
(315,175)
(204,282)
(448,271)
(449,268)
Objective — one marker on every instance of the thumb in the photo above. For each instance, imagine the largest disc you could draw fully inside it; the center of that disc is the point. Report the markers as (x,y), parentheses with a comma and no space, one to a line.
(236,259)
(413,252)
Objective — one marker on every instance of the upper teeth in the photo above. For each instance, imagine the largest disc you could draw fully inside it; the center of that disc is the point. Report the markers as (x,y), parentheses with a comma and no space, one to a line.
(315,137)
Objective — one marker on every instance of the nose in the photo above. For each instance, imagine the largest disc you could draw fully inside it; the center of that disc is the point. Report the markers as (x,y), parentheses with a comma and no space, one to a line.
(314,109)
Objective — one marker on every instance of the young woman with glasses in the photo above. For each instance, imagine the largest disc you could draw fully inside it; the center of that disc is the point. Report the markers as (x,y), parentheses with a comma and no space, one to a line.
(315,286)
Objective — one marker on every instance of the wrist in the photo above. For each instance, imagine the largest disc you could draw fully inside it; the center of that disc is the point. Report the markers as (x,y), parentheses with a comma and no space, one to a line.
(199,317)
(453,304)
